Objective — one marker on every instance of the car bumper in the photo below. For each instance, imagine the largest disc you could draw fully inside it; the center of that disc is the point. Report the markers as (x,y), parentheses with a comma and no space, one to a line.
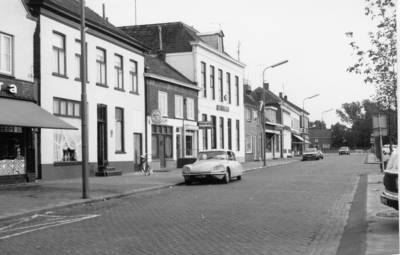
(200,176)
(310,157)
(390,199)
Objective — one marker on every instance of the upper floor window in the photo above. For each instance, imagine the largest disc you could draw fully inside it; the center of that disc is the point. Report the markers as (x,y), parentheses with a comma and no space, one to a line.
(118,67)
(66,108)
(59,59)
(203,79)
(248,114)
(5,54)
(237,90)
(178,107)
(212,81)
(228,86)
(190,108)
(133,78)
(270,114)
(163,103)
(100,66)
(220,86)
(78,50)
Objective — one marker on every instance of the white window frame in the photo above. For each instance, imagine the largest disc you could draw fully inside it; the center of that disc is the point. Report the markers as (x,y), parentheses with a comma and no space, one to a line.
(178,106)
(60,62)
(101,66)
(6,53)
(190,108)
(133,77)
(163,103)
(248,114)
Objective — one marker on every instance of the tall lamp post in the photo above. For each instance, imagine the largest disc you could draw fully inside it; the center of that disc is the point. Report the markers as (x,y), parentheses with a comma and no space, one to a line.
(304,129)
(322,126)
(263,107)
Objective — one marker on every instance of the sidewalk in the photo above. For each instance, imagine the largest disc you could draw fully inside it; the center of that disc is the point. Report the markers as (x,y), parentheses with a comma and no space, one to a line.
(39,197)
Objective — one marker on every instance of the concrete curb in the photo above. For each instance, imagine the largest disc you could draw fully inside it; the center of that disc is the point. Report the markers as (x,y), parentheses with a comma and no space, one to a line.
(110,197)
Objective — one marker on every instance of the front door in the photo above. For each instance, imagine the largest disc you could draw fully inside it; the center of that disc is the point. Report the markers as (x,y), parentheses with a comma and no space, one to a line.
(137,151)
(161,151)
(101,134)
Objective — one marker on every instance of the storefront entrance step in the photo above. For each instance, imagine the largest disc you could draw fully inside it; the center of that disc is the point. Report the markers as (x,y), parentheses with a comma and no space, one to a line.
(109,173)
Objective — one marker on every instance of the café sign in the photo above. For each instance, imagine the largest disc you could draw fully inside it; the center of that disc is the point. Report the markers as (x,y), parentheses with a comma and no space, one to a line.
(222,108)
(205,124)
(10,88)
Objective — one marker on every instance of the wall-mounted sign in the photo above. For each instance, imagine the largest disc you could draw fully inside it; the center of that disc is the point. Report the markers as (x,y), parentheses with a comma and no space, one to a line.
(278,128)
(156,116)
(222,108)
(191,127)
(205,124)
(10,88)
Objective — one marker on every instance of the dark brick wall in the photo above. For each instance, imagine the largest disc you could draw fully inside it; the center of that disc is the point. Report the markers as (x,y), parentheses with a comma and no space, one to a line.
(251,127)
(154,86)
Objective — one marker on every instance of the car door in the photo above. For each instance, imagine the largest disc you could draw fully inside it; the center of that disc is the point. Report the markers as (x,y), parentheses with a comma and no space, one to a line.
(235,166)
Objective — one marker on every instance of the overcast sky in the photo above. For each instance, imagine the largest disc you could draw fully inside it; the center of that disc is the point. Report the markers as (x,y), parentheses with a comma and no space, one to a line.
(308,33)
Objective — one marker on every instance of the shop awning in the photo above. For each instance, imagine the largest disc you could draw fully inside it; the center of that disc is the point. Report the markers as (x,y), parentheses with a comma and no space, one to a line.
(301,139)
(28,114)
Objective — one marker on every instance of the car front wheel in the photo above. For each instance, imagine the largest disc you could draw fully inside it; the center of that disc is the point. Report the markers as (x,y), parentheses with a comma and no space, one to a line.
(239,177)
(188,182)
(227,177)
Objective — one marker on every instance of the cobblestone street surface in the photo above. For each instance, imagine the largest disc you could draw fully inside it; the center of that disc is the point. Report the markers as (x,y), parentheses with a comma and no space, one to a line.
(298,208)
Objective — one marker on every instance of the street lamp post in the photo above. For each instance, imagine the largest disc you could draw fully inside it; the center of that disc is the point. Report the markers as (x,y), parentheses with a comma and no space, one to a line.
(263,107)
(304,130)
(322,126)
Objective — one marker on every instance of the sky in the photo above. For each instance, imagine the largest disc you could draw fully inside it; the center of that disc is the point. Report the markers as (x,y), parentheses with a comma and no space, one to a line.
(310,34)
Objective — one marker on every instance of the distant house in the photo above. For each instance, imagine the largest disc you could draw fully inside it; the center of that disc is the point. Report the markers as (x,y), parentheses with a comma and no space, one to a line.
(321,138)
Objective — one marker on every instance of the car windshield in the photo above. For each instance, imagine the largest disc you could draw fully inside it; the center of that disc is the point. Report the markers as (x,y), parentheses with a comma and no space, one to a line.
(343,148)
(311,150)
(207,155)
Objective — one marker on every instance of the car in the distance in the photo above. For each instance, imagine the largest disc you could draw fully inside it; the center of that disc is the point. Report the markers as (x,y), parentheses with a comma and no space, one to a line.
(386,148)
(390,196)
(213,164)
(344,150)
(312,153)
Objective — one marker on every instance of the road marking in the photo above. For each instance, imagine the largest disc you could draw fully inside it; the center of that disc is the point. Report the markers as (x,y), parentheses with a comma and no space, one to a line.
(24,225)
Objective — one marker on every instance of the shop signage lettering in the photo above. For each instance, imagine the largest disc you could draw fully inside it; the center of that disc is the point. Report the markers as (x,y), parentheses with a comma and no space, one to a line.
(10,129)
(205,124)
(11,88)
(222,108)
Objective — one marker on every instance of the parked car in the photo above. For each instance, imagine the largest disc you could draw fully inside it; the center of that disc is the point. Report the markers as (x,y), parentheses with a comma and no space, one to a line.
(312,153)
(213,164)
(344,150)
(386,148)
(390,196)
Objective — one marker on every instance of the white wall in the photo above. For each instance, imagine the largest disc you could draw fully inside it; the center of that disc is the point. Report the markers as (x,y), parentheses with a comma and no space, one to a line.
(14,22)
(53,86)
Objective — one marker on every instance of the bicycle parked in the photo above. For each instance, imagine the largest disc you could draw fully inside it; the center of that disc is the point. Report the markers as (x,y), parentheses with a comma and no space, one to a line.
(145,168)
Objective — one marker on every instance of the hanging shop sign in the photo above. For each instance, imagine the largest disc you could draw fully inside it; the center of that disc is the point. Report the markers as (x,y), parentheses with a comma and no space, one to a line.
(205,124)
(156,116)
(222,108)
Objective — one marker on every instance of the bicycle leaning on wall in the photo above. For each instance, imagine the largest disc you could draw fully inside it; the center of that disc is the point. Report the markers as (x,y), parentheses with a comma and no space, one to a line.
(144,166)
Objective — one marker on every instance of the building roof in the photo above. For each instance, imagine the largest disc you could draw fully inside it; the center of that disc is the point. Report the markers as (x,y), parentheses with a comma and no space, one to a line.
(249,100)
(270,98)
(176,36)
(294,106)
(317,132)
(159,67)
(72,8)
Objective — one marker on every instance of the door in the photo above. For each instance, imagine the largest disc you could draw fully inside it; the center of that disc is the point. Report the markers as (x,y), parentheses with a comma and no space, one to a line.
(255,152)
(137,151)
(189,145)
(101,134)
(161,151)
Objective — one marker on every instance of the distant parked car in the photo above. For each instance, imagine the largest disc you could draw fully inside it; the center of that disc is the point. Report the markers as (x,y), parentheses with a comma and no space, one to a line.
(213,164)
(390,196)
(312,153)
(386,148)
(344,150)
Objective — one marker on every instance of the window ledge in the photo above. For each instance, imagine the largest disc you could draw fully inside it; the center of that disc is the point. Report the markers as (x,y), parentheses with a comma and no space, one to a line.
(67,163)
(120,152)
(101,85)
(119,89)
(77,79)
(134,93)
(60,75)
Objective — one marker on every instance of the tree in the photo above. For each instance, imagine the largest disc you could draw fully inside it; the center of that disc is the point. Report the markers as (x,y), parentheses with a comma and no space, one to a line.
(379,64)
(317,124)
(339,135)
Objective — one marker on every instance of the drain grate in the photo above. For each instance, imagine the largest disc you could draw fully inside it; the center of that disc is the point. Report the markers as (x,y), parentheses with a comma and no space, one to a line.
(388,214)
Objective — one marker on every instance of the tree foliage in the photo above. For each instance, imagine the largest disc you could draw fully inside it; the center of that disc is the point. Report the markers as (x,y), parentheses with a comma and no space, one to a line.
(317,124)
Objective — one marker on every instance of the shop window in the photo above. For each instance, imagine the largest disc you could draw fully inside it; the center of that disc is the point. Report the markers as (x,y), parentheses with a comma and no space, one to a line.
(249,144)
(12,148)
(59,59)
(6,54)
(119,129)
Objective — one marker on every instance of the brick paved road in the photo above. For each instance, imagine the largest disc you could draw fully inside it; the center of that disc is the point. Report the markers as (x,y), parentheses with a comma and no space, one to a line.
(300,208)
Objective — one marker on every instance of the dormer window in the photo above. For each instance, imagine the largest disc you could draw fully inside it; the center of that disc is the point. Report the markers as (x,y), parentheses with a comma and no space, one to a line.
(214,39)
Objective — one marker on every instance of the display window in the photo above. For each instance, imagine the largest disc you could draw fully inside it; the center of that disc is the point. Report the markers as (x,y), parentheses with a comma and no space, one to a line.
(12,150)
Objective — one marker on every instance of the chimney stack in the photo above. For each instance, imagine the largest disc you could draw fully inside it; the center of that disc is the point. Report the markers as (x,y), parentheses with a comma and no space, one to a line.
(266,86)
(280,94)
(285,97)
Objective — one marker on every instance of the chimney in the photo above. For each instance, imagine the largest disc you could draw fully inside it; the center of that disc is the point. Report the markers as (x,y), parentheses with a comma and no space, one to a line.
(285,97)
(104,12)
(280,94)
(161,55)
(266,86)
(160,36)
(247,89)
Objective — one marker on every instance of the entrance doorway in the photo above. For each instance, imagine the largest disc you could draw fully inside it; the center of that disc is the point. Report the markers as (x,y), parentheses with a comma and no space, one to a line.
(137,151)
(101,134)
(161,151)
